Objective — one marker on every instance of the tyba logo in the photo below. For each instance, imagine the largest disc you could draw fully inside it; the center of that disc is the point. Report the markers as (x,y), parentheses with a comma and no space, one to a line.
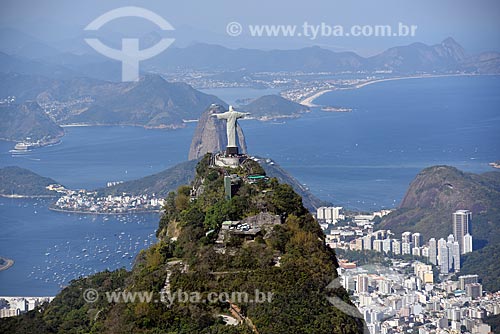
(129,55)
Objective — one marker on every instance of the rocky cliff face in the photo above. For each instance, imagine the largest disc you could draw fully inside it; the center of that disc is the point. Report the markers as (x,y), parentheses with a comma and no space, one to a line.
(210,134)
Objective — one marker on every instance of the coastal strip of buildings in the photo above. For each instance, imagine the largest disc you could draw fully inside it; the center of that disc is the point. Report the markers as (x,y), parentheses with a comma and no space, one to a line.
(445,253)
(84,201)
(417,292)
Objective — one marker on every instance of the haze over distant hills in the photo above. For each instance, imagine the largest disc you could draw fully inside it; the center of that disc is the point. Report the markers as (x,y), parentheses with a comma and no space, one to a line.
(416,57)
(22,53)
(71,87)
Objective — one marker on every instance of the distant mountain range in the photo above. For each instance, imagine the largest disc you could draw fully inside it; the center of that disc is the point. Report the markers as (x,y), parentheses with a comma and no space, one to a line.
(414,58)
(71,86)
(152,102)
(21,53)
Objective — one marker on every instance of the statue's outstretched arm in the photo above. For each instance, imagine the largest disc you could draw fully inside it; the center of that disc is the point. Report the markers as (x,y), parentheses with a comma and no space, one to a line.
(241,114)
(220,116)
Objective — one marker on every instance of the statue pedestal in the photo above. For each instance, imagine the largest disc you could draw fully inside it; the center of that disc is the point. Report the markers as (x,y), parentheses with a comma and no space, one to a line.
(232,150)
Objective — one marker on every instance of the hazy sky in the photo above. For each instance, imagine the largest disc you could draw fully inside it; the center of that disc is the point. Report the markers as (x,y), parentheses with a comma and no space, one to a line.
(474,24)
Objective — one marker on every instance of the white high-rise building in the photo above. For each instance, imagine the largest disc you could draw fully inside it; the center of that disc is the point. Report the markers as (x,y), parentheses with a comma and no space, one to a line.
(432,251)
(329,214)
(425,251)
(386,245)
(396,247)
(416,251)
(417,239)
(449,244)
(406,247)
(455,251)
(461,226)
(362,285)
(467,243)
(368,242)
(443,256)
(378,245)
(406,237)
(467,279)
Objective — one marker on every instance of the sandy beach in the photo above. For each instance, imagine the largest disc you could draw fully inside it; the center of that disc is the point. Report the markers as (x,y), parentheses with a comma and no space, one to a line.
(410,77)
(309,101)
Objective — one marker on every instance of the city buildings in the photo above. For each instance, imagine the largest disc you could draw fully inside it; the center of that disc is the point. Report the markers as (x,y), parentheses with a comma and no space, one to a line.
(467,279)
(393,302)
(444,253)
(474,290)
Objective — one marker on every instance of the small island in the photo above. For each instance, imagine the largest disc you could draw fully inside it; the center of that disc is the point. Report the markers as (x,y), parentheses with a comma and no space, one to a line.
(5,263)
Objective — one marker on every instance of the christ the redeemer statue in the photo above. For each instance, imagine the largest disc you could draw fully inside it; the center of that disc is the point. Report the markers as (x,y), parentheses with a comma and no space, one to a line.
(231,116)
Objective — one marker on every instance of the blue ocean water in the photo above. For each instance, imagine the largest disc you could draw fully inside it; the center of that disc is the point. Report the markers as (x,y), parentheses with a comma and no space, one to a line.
(88,157)
(362,160)
(51,248)
(365,159)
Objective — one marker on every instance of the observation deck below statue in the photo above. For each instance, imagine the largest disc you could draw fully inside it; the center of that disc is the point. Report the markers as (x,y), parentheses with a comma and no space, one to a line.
(229,158)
